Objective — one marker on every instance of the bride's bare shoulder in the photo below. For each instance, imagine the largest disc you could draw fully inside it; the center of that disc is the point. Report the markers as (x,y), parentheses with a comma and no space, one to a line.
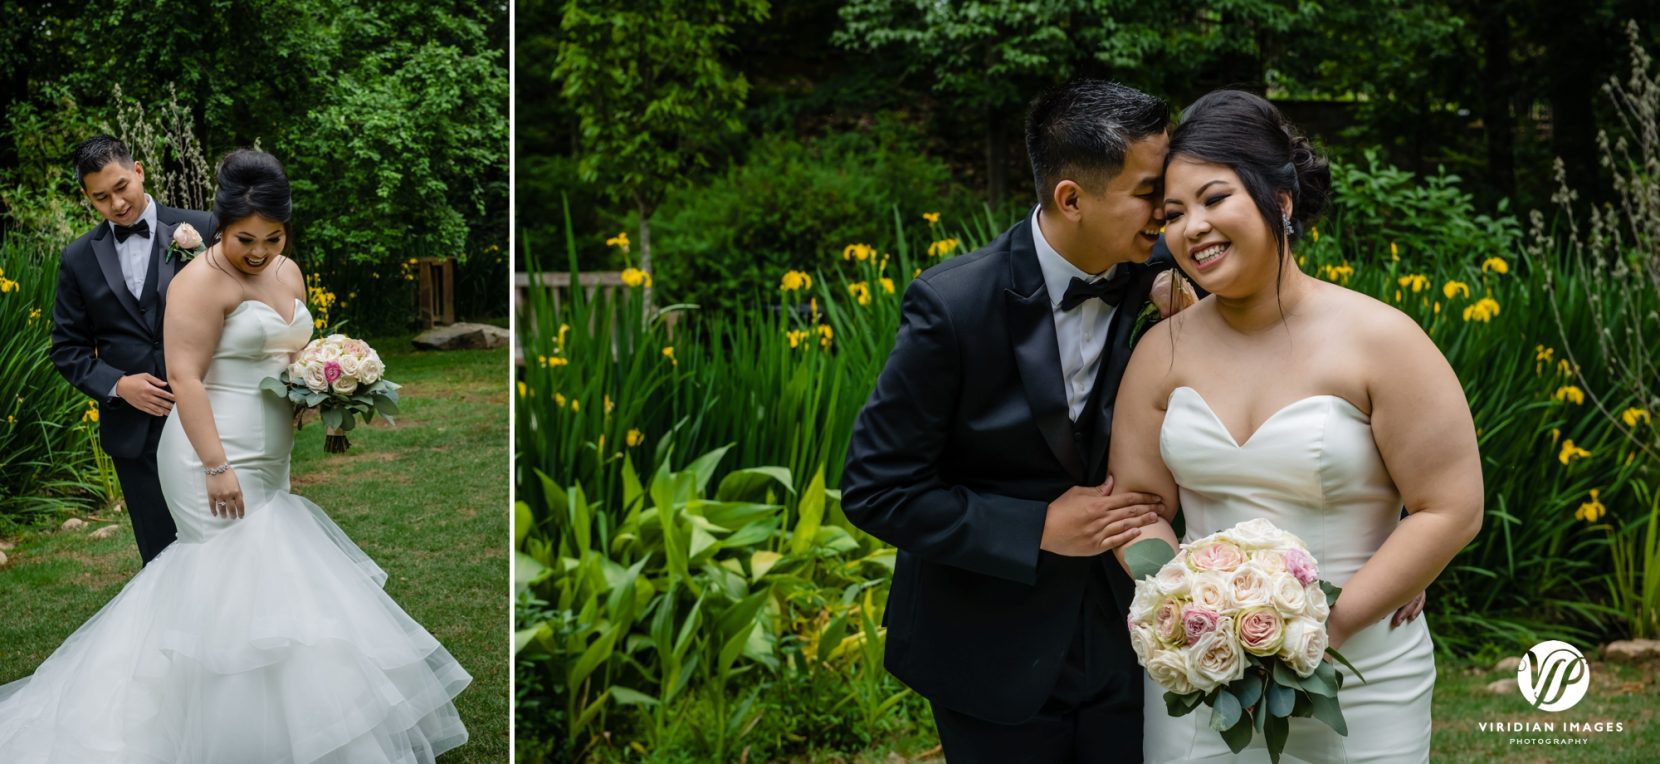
(199,282)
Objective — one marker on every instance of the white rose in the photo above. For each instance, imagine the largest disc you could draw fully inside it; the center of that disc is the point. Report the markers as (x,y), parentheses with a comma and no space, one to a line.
(1249,585)
(186,236)
(371,370)
(296,371)
(1288,596)
(328,351)
(314,378)
(1305,645)
(1168,669)
(1257,533)
(1272,561)
(1144,642)
(1316,608)
(1141,607)
(1211,591)
(1172,580)
(1216,659)
(335,339)
(345,385)
(351,366)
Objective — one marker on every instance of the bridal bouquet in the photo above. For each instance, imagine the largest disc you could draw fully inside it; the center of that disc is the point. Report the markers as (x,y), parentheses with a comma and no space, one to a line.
(1237,619)
(342,378)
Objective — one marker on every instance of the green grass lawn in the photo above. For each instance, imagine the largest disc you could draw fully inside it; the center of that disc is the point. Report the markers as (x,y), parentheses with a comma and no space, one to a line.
(1619,693)
(426,499)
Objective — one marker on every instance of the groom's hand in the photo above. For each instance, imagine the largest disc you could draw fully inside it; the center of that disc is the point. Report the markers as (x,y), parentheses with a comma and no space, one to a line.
(145,392)
(1087,521)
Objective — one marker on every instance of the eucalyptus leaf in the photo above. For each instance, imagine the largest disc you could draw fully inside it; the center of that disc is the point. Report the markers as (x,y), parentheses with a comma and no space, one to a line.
(1145,557)
(1239,735)
(1280,699)
(1329,711)
(1225,710)
(1275,730)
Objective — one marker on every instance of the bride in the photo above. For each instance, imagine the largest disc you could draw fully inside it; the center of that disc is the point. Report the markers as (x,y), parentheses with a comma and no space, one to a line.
(1285,397)
(263,634)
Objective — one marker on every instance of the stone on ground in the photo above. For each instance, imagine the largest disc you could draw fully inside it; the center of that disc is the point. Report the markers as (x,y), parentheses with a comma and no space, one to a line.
(106,531)
(1502,687)
(462,337)
(1510,664)
(1631,650)
(73,523)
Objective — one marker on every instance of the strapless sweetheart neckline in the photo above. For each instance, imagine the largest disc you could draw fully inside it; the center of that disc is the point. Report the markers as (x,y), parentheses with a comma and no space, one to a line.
(298,303)
(1271,417)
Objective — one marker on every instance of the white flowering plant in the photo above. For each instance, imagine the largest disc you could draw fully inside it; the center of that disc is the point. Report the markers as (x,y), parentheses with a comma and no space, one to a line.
(344,379)
(1237,620)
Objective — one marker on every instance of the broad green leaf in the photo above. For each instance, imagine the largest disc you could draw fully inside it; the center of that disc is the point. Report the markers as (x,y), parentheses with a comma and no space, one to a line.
(522,523)
(527,570)
(704,468)
(1329,711)
(832,637)
(1275,730)
(1280,699)
(751,484)
(1337,656)
(523,637)
(1225,710)
(274,386)
(627,697)
(1239,735)
(597,653)
(1248,689)
(810,514)
(833,540)
(761,562)
(1145,557)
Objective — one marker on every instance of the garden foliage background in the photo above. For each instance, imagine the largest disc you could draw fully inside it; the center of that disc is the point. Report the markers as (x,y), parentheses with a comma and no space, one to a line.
(391,118)
(689,589)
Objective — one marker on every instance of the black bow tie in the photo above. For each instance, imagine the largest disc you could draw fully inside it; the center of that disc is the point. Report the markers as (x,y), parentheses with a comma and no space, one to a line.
(142,228)
(1110,290)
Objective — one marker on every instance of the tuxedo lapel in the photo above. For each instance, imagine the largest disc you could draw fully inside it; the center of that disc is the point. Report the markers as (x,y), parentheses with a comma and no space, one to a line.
(103,247)
(1032,331)
(160,246)
(1115,356)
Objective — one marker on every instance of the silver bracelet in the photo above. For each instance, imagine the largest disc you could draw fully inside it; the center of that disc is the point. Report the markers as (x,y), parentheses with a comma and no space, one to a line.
(217,470)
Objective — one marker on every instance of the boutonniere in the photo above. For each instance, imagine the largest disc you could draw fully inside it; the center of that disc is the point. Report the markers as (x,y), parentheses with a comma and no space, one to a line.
(1163,302)
(187,243)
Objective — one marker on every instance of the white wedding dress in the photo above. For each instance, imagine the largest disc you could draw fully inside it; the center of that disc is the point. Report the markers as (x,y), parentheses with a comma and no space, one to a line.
(1313,470)
(261,639)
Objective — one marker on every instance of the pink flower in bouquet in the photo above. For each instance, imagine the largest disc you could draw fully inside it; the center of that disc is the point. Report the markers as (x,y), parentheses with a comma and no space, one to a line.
(1302,566)
(1215,555)
(1197,622)
(1167,622)
(1261,631)
(331,371)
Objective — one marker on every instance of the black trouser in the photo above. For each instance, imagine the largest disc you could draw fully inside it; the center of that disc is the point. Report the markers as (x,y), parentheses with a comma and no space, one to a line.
(152,524)
(1084,719)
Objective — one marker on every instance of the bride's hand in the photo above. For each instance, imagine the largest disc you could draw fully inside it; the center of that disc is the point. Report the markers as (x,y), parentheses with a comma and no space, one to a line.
(225,494)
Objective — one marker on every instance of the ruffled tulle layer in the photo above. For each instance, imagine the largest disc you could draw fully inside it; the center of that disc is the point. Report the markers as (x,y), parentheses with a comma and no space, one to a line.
(271,642)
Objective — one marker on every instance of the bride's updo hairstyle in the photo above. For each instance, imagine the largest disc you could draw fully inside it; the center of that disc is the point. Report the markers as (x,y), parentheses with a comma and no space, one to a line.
(251,183)
(1247,134)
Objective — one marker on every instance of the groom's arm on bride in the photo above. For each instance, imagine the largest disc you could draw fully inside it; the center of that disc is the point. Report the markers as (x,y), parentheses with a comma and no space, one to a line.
(892,485)
(1133,460)
(1423,429)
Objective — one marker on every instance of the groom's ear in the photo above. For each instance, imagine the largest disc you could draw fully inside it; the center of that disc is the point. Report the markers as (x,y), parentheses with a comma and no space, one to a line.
(1066,200)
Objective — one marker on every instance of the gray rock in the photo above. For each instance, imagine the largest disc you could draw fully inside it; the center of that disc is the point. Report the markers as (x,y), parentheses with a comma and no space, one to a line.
(1631,651)
(1502,687)
(462,337)
(1510,664)
(2,558)
(105,532)
(73,523)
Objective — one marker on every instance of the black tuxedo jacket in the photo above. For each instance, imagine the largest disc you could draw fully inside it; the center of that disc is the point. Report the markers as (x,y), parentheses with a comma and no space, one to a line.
(101,333)
(954,460)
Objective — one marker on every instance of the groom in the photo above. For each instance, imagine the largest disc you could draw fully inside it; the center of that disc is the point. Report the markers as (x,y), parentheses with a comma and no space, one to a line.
(982,451)
(106,324)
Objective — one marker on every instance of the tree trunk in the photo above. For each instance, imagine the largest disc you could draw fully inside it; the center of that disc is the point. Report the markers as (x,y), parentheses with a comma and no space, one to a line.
(1573,82)
(997,158)
(1497,114)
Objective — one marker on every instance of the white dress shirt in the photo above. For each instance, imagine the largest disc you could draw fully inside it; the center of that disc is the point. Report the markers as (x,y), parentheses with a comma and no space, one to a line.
(134,253)
(1080,333)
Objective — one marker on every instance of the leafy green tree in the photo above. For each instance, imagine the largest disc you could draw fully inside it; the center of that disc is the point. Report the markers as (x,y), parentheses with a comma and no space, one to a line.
(651,92)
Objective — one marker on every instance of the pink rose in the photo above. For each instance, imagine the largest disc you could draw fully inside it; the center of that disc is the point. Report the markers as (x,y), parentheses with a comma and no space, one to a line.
(1215,555)
(1197,622)
(1261,631)
(1300,565)
(331,371)
(1167,622)
(186,236)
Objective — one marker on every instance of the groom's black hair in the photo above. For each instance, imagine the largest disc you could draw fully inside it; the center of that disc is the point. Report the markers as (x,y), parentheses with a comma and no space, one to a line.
(1081,131)
(252,182)
(94,153)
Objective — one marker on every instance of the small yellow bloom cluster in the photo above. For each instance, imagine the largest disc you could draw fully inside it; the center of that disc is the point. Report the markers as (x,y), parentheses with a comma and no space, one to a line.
(943,247)
(524,392)
(563,329)
(34,314)
(558,401)
(1338,274)
(826,334)
(408,268)
(1495,265)
(1484,310)
(321,299)
(91,413)
(633,278)
(860,291)
(1632,416)
(887,285)
(799,337)
(796,336)
(620,240)
(1592,510)
(668,353)
(796,281)
(1571,452)
(860,252)
(1313,233)
(553,362)
(7,285)
(1541,356)
(1566,369)
(635,438)
(1394,252)
(1571,394)
(1452,289)
(609,405)
(1417,282)
(932,218)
